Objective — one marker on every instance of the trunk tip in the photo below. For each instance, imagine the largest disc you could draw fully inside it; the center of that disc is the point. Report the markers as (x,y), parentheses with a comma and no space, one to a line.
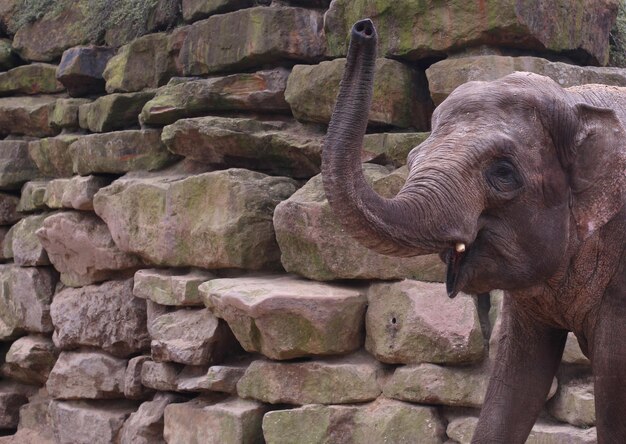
(364,30)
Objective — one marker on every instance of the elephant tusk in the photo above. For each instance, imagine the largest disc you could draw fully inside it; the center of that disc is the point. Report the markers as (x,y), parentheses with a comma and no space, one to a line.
(460,247)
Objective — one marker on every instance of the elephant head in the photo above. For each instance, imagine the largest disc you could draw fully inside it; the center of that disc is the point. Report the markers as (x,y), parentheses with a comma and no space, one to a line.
(514,176)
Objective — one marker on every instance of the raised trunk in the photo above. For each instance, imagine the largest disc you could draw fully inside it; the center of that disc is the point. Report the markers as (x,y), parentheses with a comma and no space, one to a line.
(387,226)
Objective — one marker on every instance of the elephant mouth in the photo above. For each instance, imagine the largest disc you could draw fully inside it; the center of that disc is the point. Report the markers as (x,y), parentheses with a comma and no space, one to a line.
(454,261)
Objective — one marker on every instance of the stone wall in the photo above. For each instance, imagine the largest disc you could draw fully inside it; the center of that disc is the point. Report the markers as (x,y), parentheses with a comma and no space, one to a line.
(171,271)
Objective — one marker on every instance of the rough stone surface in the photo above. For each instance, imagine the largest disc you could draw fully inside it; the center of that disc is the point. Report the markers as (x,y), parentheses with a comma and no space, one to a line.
(286,317)
(314,245)
(383,421)
(259,91)
(572,353)
(80,190)
(81,248)
(147,62)
(25,295)
(81,68)
(113,112)
(119,152)
(274,147)
(32,196)
(231,421)
(30,359)
(35,425)
(8,209)
(411,30)
(145,426)
(12,396)
(574,401)
(411,322)
(26,249)
(175,222)
(37,78)
(400,93)
(27,116)
(4,231)
(16,167)
(105,316)
(461,430)
(445,76)
(133,387)
(229,42)
(98,421)
(8,58)
(190,336)
(65,114)
(218,378)
(162,376)
(391,148)
(53,197)
(435,384)
(340,380)
(171,287)
(194,10)
(52,156)
(87,375)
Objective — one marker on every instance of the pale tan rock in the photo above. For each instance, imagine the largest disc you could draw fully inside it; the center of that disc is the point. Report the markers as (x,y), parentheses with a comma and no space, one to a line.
(113,111)
(25,247)
(391,148)
(16,166)
(81,248)
(171,287)
(145,426)
(285,317)
(65,114)
(231,421)
(53,197)
(162,376)
(572,354)
(52,156)
(314,245)
(133,387)
(87,375)
(341,380)
(574,401)
(218,378)
(80,190)
(30,359)
(105,316)
(32,196)
(28,116)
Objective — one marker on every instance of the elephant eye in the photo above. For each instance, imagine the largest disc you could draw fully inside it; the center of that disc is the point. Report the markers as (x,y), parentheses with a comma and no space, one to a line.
(502,176)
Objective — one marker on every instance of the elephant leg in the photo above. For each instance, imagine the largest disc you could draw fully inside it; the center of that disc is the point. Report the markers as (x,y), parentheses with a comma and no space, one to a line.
(526,361)
(608,358)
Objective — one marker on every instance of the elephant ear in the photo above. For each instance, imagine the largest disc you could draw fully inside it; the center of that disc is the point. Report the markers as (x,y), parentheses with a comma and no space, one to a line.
(597,165)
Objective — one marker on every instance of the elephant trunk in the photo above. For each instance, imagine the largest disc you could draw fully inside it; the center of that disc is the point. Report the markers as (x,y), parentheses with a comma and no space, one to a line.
(384,225)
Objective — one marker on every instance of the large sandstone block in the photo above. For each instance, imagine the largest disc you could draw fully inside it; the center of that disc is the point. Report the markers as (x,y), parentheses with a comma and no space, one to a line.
(171,287)
(400,93)
(259,91)
(23,245)
(145,426)
(89,422)
(28,115)
(87,375)
(147,62)
(113,112)
(106,316)
(278,147)
(445,76)
(232,421)
(314,245)
(25,296)
(382,421)
(30,359)
(16,167)
(414,30)
(231,42)
(190,336)
(284,317)
(81,68)
(37,78)
(52,155)
(81,248)
(410,322)
(340,380)
(119,152)
(221,219)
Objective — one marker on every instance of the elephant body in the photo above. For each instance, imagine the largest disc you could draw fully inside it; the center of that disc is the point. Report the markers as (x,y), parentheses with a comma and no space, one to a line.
(521,186)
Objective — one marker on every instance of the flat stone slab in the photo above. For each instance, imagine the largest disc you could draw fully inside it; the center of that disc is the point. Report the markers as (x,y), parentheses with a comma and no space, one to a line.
(410,322)
(278,147)
(173,221)
(231,421)
(81,248)
(27,115)
(285,317)
(314,245)
(218,378)
(174,287)
(181,97)
(106,316)
(445,76)
(51,155)
(30,359)
(16,167)
(119,152)
(382,421)
(87,375)
(340,380)
(113,112)
(230,42)
(36,78)
(400,96)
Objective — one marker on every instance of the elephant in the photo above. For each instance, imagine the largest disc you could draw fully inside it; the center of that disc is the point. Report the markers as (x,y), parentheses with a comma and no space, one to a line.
(521,186)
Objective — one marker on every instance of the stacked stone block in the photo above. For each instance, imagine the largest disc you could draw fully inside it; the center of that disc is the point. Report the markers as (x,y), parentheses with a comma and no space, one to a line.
(170,270)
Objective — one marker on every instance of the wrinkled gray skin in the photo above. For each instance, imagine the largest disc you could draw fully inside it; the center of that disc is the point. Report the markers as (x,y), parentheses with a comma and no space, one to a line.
(531,177)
